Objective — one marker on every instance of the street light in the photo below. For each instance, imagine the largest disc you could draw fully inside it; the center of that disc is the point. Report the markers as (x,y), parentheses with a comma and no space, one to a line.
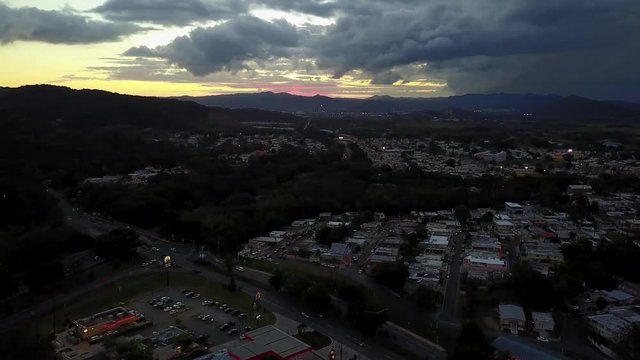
(167,265)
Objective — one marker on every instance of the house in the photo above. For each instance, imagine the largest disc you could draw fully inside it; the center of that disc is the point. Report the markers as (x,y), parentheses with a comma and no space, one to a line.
(513,208)
(580,190)
(503,226)
(539,251)
(608,326)
(512,318)
(618,297)
(339,253)
(489,156)
(543,321)
(436,243)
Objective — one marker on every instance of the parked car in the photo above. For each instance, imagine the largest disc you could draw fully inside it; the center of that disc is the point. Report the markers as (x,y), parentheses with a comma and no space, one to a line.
(232,332)
(224,327)
(195,296)
(242,316)
(240,268)
(155,249)
(542,339)
(248,328)
(228,310)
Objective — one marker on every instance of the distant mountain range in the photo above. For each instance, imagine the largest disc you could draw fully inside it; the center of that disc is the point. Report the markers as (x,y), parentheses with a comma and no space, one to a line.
(544,106)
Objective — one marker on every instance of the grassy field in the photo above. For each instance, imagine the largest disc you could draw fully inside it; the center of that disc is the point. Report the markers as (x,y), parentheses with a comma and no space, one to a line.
(297,267)
(125,292)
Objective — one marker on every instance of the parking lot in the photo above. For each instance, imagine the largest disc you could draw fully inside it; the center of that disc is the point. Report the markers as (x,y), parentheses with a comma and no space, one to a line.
(188,315)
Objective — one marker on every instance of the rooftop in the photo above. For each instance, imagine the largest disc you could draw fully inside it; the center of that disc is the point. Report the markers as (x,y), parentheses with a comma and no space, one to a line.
(511,312)
(269,340)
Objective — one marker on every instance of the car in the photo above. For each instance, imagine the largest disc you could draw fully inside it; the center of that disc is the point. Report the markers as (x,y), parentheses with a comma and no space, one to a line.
(184,291)
(305,315)
(195,296)
(248,328)
(155,249)
(207,303)
(224,327)
(222,307)
(189,294)
(196,271)
(167,309)
(542,339)
(216,304)
(232,332)
(173,249)
(236,313)
(242,316)
(205,317)
(153,301)
(95,338)
(228,310)
(145,264)
(240,268)
(173,312)
(360,271)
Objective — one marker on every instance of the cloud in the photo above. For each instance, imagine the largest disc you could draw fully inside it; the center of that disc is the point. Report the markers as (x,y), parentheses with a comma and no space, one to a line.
(517,40)
(320,8)
(57,27)
(586,47)
(226,46)
(171,12)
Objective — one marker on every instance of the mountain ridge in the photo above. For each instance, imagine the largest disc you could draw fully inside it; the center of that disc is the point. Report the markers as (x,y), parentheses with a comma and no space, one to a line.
(542,105)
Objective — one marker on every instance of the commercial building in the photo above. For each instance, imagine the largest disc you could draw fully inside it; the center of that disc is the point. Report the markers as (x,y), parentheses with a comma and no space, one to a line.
(268,342)
(104,322)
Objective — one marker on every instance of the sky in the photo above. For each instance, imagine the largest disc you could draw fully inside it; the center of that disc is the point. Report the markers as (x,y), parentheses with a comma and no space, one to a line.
(345,48)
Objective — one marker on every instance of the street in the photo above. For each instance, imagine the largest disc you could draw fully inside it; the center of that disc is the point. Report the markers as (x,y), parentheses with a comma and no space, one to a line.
(450,301)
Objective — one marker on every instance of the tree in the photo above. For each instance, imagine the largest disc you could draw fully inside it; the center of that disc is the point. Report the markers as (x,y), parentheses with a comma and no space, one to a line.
(317,297)
(462,214)
(277,279)
(392,275)
(119,243)
(487,217)
(471,344)
(450,162)
(368,322)
(425,298)
(9,285)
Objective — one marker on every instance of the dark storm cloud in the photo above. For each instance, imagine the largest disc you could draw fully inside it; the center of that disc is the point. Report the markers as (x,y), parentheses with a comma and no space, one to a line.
(569,46)
(57,27)
(226,46)
(171,12)
(511,44)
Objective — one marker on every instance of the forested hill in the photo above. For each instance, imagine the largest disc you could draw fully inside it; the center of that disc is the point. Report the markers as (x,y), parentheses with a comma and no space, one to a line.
(94,108)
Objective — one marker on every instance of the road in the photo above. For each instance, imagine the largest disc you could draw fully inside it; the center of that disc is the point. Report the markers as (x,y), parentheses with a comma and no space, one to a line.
(182,256)
(450,301)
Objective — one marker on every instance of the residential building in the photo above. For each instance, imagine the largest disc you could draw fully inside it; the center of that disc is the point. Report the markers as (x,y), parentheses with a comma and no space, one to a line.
(512,318)
(543,321)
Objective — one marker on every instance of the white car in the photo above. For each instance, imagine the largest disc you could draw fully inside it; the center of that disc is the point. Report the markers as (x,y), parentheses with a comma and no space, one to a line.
(167,309)
(542,339)
(240,268)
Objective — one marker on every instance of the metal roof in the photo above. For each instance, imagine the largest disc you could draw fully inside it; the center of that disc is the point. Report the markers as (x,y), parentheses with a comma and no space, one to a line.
(269,339)
(511,312)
